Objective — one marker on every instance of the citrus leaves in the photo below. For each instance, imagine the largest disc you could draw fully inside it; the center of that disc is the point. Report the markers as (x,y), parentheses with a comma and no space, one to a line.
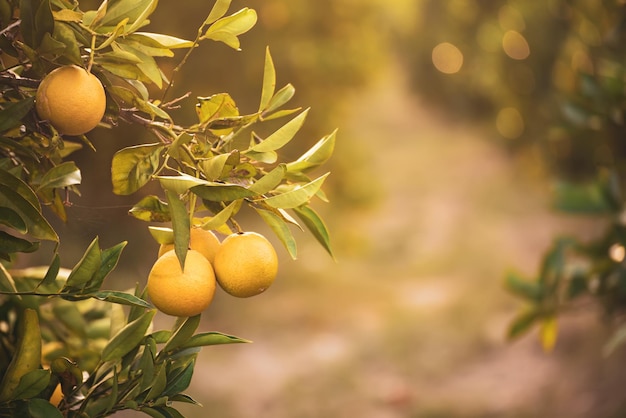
(221,163)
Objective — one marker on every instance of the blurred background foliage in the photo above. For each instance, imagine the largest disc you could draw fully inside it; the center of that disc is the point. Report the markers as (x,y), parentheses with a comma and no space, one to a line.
(420,211)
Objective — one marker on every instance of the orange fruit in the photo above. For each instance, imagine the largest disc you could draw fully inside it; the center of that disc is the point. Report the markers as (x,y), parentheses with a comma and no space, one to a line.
(246,264)
(181,292)
(200,240)
(71,99)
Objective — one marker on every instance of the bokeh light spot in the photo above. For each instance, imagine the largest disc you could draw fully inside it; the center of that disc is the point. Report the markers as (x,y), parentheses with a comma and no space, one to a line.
(515,45)
(510,123)
(447,58)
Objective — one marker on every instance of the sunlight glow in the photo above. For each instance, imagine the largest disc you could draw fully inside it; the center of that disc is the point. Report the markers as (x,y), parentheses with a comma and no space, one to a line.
(510,123)
(447,58)
(515,45)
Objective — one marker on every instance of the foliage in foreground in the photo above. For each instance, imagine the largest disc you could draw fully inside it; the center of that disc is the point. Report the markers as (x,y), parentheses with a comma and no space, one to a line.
(59,326)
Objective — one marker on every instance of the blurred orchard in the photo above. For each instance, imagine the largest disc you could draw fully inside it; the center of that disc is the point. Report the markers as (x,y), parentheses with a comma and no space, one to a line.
(476,211)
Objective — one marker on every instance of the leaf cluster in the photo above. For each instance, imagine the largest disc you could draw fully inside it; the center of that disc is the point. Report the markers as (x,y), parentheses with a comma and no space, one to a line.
(99,345)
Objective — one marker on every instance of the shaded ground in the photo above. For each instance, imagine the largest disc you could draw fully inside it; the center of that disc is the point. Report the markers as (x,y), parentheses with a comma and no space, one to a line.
(411,321)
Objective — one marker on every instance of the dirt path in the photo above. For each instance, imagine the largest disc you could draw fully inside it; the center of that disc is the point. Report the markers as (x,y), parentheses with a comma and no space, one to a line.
(411,321)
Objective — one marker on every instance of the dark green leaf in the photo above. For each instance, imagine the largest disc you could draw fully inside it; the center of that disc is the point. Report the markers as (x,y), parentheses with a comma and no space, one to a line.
(32,384)
(179,379)
(522,323)
(151,209)
(128,338)
(41,408)
(10,244)
(11,116)
(159,382)
(181,397)
(218,192)
(68,314)
(133,167)
(36,21)
(11,219)
(20,187)
(183,333)
(37,225)
(532,291)
(587,198)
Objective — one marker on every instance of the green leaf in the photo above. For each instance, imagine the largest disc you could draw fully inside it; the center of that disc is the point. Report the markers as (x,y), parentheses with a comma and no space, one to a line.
(532,291)
(108,261)
(10,244)
(151,209)
(217,106)
(159,382)
(32,384)
(585,198)
(128,337)
(20,187)
(317,155)
(269,81)
(212,338)
(522,323)
(86,267)
(11,116)
(316,226)
(270,181)
(146,64)
(160,40)
(135,10)
(12,219)
(37,225)
(282,136)
(179,184)
(180,374)
(180,224)
(141,19)
(281,97)
(63,175)
(184,332)
(64,34)
(297,196)
(280,228)
(221,217)
(121,298)
(219,9)
(227,29)
(162,235)
(52,273)
(134,166)
(213,168)
(41,408)
(36,20)
(220,192)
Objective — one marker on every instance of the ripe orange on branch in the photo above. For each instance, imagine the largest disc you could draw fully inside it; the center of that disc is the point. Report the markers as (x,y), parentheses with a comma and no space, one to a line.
(246,264)
(71,99)
(179,292)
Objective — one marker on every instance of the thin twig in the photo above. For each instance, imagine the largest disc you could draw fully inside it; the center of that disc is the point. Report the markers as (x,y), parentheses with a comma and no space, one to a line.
(18,81)
(11,26)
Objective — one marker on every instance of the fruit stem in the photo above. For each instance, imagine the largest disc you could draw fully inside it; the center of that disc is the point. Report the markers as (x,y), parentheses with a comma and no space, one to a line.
(92,52)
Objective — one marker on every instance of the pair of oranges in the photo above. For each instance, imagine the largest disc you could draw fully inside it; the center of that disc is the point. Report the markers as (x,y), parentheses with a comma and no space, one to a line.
(244,264)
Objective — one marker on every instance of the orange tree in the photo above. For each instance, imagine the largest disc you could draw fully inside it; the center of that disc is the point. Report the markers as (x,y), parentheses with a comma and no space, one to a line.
(60,330)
